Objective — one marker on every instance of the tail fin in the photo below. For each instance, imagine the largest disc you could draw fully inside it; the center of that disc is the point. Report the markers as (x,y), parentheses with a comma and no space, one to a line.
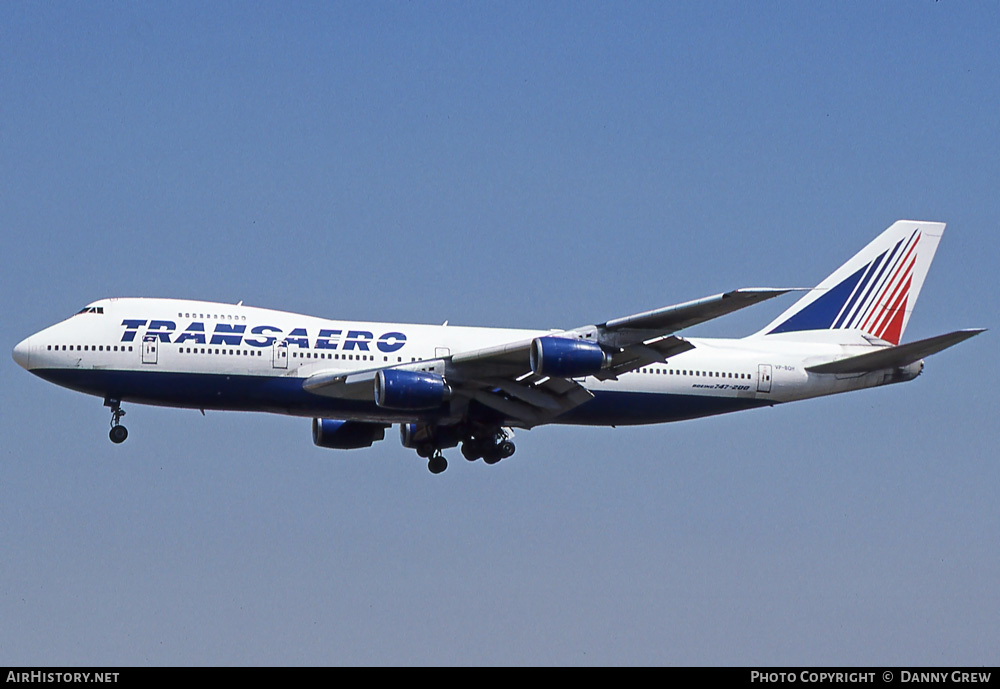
(875,291)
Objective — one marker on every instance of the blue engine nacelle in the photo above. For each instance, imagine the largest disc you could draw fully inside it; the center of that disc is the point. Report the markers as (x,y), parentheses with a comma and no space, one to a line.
(413,435)
(406,390)
(346,435)
(562,357)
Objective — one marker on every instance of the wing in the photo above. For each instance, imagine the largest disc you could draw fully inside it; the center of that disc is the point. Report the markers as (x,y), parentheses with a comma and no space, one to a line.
(510,379)
(645,338)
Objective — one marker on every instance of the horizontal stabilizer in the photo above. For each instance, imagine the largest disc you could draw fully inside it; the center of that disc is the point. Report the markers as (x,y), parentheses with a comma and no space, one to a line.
(896,356)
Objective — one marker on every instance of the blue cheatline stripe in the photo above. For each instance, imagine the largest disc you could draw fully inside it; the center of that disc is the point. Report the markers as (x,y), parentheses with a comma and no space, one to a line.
(277,394)
(284,395)
(634,408)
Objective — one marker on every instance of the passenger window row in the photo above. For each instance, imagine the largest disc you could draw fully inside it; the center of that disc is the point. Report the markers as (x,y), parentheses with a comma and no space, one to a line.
(88,348)
(211,350)
(325,355)
(212,316)
(699,374)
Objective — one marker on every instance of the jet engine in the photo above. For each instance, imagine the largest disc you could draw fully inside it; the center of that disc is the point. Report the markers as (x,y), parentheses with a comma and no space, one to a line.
(409,390)
(346,435)
(562,357)
(417,435)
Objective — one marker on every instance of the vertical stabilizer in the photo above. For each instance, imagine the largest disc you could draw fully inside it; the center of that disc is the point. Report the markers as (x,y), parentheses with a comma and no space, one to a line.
(875,291)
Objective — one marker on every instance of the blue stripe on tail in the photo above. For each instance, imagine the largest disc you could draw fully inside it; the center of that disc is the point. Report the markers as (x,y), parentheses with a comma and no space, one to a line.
(821,313)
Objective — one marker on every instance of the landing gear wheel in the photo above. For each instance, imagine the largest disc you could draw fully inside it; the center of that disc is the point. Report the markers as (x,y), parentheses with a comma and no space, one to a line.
(118,434)
(492,456)
(437,464)
(471,450)
(506,449)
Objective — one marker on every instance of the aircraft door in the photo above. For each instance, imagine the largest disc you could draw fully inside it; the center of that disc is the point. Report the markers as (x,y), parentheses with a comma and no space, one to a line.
(279,355)
(149,344)
(764,378)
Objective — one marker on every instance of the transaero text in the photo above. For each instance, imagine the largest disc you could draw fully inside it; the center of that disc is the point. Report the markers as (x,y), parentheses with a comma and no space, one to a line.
(262,336)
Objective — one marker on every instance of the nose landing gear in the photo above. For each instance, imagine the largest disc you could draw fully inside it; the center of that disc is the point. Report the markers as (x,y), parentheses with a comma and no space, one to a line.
(118,433)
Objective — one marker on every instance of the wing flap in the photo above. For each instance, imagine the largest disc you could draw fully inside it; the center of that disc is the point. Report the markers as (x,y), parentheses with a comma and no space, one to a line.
(511,408)
(528,394)
(533,399)
(639,355)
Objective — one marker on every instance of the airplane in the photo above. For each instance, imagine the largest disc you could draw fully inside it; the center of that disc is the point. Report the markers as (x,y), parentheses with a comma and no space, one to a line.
(447,385)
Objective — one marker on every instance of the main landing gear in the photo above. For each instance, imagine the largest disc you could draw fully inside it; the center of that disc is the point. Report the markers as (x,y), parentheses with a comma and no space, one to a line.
(491,448)
(436,463)
(118,433)
(489,444)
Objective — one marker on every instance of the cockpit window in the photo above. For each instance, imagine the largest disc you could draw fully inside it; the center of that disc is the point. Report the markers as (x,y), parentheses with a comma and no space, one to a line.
(90,309)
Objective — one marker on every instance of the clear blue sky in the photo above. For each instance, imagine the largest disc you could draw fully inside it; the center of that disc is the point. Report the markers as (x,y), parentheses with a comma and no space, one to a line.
(513,164)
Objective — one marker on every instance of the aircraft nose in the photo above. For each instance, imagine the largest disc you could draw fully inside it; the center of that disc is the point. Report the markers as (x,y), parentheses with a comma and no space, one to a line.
(22,353)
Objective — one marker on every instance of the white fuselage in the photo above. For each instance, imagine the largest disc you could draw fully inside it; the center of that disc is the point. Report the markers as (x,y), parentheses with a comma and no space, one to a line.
(205,355)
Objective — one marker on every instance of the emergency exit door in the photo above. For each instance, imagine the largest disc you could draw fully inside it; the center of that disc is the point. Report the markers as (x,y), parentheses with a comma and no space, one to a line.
(279,354)
(149,346)
(764,378)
